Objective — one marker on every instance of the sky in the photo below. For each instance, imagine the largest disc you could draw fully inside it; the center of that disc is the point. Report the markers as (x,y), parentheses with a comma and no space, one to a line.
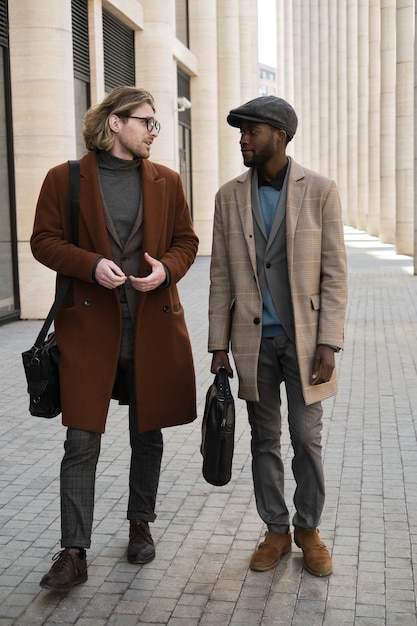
(267,32)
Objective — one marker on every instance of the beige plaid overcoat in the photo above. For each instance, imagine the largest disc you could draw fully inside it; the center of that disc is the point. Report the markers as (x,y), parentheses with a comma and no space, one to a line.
(317,271)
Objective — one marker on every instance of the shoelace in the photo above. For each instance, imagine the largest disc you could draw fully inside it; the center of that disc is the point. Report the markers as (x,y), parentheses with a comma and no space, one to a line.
(60,559)
(138,531)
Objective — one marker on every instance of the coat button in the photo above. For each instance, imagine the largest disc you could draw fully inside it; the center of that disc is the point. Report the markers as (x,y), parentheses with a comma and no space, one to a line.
(87,303)
(256,320)
(268,265)
(165,309)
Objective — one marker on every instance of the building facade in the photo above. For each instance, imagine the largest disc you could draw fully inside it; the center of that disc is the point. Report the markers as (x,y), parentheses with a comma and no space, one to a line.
(198,59)
(349,70)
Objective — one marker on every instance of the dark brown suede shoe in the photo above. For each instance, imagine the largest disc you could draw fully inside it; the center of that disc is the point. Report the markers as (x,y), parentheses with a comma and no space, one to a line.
(316,557)
(69,569)
(141,548)
(270,551)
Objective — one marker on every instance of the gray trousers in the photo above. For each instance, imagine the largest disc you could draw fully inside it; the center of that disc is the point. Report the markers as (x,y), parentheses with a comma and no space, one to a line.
(78,474)
(277,364)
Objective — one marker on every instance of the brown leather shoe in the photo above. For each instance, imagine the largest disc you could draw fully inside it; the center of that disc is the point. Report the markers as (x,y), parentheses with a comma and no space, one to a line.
(269,552)
(316,557)
(69,569)
(141,548)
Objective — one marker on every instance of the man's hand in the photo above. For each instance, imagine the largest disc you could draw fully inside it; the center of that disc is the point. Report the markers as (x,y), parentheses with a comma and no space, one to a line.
(108,274)
(221,359)
(155,278)
(323,365)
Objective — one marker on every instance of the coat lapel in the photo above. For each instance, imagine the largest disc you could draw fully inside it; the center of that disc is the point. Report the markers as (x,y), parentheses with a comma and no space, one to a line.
(244,202)
(153,189)
(91,205)
(295,196)
(279,215)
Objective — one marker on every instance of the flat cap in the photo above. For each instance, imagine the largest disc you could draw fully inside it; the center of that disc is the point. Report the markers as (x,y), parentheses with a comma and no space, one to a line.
(267,109)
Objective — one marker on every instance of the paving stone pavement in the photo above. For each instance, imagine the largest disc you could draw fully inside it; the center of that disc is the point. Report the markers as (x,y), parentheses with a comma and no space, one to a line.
(205,535)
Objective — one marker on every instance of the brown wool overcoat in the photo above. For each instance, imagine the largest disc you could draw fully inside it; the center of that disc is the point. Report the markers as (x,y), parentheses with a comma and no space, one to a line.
(317,272)
(88,325)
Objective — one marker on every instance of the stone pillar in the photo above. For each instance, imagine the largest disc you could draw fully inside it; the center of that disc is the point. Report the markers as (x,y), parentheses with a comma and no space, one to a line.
(43,119)
(404,127)
(249,67)
(285,50)
(229,80)
(156,70)
(305,122)
(282,60)
(342,91)
(314,78)
(352,125)
(374,117)
(324,88)
(96,50)
(296,145)
(205,119)
(388,123)
(363,114)
(333,93)
(415,143)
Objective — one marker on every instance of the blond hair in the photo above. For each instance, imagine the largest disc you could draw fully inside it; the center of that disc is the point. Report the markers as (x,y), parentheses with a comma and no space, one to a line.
(96,130)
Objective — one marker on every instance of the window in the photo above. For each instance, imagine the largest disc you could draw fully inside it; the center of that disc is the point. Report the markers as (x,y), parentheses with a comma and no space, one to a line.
(184,137)
(81,55)
(119,53)
(181,22)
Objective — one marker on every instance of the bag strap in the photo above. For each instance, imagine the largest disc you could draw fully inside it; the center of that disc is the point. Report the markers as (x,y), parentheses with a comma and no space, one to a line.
(74,191)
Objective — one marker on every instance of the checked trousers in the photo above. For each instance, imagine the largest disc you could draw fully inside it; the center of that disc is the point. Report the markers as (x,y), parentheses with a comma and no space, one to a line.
(78,474)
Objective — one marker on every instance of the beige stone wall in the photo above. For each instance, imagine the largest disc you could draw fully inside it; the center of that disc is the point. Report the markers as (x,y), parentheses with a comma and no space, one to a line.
(221,62)
(43,124)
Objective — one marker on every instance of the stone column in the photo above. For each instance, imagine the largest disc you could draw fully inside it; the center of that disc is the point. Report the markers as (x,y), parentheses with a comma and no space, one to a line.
(374,117)
(314,78)
(404,127)
(326,133)
(285,50)
(249,67)
(229,80)
(342,91)
(295,148)
(415,143)
(43,125)
(363,114)
(156,70)
(333,92)
(283,61)
(352,125)
(96,50)
(205,119)
(305,121)
(388,122)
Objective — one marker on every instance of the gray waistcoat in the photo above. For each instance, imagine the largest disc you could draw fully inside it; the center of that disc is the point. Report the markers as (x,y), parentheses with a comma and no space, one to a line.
(271,256)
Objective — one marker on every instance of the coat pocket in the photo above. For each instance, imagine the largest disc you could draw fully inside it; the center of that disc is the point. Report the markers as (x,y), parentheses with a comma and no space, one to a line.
(315,302)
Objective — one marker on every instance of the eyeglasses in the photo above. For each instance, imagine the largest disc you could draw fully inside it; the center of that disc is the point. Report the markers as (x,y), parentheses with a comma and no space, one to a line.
(150,122)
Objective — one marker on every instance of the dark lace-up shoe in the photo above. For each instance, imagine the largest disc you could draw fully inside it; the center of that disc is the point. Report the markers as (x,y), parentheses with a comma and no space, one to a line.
(69,569)
(141,547)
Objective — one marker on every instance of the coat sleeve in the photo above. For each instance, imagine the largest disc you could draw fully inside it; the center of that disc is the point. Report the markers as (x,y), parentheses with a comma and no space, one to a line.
(333,288)
(183,242)
(220,298)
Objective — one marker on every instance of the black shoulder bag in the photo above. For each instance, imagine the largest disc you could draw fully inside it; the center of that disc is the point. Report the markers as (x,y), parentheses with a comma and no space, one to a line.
(41,361)
(218,431)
